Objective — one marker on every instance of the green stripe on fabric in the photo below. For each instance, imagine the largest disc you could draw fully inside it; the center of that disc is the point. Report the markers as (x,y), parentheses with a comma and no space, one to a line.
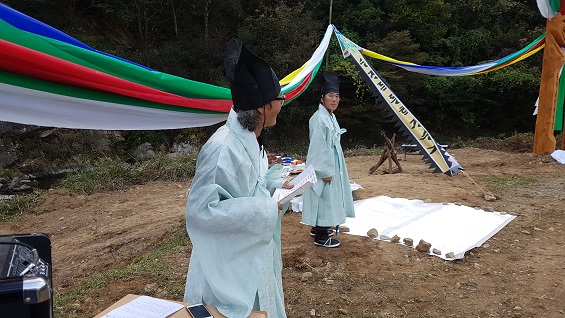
(522,51)
(314,72)
(559,103)
(158,80)
(71,91)
(290,88)
(555,4)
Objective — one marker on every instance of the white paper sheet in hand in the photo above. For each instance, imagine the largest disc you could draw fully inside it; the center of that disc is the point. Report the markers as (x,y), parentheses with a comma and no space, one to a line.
(303,181)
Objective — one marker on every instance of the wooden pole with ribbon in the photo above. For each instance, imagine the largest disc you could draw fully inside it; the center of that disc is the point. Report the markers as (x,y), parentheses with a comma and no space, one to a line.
(330,23)
(553,60)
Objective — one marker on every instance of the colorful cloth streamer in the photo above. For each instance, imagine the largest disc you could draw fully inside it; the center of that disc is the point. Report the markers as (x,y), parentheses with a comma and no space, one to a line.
(529,50)
(549,8)
(48,78)
(560,101)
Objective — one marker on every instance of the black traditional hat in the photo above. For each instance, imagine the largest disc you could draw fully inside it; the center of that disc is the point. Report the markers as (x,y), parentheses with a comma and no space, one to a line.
(330,83)
(253,83)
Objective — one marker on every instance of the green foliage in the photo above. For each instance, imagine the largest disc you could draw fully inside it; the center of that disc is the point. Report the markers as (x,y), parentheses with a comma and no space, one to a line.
(288,45)
(172,168)
(412,15)
(407,86)
(454,101)
(18,205)
(109,174)
(194,136)
(348,71)
(106,175)
(521,137)
(156,138)
(292,145)
(517,142)
(8,173)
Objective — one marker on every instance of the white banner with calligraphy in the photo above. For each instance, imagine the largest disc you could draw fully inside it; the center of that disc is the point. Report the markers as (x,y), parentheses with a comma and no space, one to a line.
(433,152)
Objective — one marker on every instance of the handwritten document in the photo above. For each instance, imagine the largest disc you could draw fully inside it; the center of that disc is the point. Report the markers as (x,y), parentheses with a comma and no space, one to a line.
(303,181)
(145,307)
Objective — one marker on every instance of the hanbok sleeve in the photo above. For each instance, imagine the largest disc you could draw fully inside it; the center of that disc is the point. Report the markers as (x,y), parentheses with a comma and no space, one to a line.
(224,204)
(274,178)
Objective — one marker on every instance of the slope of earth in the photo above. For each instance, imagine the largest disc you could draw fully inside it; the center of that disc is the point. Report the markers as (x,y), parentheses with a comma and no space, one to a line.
(517,273)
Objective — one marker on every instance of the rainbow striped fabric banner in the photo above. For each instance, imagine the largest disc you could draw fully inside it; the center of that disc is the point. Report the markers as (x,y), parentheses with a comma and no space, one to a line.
(526,52)
(48,78)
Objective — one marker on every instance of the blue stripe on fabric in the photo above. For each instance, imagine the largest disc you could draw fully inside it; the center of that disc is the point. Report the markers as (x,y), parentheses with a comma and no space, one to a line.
(29,24)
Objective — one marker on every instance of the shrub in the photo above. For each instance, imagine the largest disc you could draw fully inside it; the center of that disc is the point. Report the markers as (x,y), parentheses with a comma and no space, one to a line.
(18,204)
(108,174)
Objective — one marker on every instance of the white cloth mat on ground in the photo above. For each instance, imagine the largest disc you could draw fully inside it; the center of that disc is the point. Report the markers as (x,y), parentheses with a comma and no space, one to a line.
(448,227)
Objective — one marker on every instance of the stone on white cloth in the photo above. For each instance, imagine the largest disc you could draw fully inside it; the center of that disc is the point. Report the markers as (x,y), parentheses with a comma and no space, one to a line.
(448,227)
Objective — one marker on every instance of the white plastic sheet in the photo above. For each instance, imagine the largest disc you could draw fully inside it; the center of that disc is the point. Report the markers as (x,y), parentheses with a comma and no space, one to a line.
(448,227)
(559,156)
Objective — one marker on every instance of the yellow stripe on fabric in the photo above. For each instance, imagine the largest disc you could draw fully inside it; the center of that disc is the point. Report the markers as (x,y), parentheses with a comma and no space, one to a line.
(525,56)
(287,79)
(372,54)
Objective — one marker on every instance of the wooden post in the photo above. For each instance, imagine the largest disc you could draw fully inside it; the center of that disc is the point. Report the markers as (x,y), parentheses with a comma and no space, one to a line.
(553,59)
(390,154)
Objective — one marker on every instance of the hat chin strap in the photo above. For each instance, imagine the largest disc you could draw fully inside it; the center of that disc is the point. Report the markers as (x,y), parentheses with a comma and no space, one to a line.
(260,137)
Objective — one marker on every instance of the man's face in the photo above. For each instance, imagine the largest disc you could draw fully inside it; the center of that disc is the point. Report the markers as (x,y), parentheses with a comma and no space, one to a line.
(330,101)
(272,110)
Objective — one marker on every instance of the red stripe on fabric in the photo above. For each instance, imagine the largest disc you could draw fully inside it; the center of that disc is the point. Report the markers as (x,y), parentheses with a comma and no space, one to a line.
(299,89)
(24,61)
(497,67)
(541,42)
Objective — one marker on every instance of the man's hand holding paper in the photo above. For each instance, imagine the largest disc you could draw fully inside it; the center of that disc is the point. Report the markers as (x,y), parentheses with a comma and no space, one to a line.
(303,181)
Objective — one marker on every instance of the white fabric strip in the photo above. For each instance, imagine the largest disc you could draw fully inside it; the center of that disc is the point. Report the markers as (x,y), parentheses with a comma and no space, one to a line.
(545,9)
(27,106)
(316,57)
(467,70)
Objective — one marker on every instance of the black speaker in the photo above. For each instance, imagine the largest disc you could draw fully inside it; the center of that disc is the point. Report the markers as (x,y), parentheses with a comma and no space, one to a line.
(25,276)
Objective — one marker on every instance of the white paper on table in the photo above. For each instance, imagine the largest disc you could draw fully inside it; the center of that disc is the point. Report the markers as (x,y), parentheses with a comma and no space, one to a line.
(145,307)
(303,181)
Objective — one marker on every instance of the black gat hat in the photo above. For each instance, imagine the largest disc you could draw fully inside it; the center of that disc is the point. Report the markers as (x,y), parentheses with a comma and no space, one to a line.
(253,83)
(330,83)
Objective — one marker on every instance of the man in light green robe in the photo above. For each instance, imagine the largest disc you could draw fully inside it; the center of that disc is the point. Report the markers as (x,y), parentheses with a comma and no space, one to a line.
(329,201)
(231,218)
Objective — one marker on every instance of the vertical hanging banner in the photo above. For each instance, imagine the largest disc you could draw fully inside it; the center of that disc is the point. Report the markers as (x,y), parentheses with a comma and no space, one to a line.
(434,153)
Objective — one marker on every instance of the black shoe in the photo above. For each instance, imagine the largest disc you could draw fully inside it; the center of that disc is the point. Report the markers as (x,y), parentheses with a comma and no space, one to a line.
(330,243)
(313,232)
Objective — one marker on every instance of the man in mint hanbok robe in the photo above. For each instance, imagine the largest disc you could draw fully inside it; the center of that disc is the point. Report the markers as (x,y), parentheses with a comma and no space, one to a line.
(231,218)
(329,201)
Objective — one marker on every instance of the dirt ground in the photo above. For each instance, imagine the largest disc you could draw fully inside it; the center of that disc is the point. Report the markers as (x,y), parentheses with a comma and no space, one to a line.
(517,273)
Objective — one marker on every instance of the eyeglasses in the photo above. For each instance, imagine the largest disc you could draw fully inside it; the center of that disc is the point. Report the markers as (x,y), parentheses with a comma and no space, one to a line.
(283,98)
